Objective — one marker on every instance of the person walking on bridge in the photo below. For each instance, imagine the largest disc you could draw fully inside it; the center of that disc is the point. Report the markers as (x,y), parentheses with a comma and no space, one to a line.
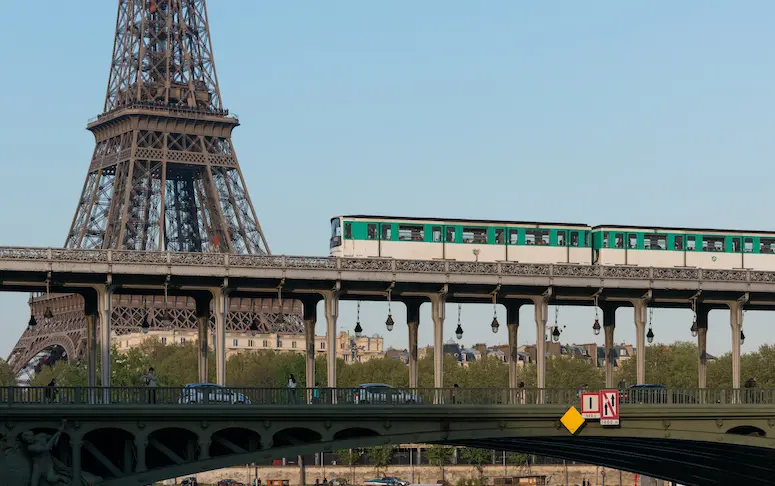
(150,383)
(292,388)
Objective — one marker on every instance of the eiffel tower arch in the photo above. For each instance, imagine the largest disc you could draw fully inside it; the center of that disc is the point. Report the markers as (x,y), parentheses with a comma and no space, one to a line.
(163,176)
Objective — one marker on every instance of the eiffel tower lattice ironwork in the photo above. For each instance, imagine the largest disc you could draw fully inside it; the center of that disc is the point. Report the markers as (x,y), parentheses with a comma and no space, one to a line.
(164,174)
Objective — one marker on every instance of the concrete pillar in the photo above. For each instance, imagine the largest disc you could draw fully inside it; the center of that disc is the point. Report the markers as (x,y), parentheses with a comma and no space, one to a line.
(541,308)
(91,312)
(105,294)
(413,323)
(640,340)
(609,324)
(310,316)
(331,300)
(204,448)
(302,472)
(437,313)
(221,309)
(203,326)
(75,445)
(702,347)
(512,325)
(141,444)
(736,322)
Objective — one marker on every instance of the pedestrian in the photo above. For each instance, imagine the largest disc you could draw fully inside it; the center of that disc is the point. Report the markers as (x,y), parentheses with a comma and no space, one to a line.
(150,383)
(325,481)
(292,388)
(51,390)
(317,481)
(454,393)
(521,392)
(316,393)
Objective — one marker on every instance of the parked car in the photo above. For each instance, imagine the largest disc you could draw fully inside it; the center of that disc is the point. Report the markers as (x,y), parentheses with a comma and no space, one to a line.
(382,393)
(653,394)
(386,481)
(190,481)
(197,392)
(230,482)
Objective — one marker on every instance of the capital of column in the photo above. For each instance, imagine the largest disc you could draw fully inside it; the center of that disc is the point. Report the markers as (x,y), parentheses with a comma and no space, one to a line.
(331,301)
(413,309)
(541,308)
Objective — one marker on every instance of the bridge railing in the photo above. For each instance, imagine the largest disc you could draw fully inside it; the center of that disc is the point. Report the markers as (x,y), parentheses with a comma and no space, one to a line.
(213,395)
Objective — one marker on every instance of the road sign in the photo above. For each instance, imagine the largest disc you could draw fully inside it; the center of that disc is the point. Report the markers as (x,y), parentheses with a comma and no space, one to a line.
(572,420)
(590,405)
(609,407)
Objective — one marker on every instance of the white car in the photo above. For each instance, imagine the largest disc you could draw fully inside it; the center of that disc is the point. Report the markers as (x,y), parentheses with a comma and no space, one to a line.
(210,393)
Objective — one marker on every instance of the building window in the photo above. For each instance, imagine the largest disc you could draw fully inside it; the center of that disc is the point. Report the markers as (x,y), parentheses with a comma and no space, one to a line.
(322,345)
(536,237)
(371,232)
(411,232)
(164,340)
(713,243)
(293,344)
(655,241)
(474,235)
(279,343)
(250,343)
(236,342)
(266,343)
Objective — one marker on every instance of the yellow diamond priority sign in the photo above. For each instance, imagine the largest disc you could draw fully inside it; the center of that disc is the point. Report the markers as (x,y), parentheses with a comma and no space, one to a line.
(572,420)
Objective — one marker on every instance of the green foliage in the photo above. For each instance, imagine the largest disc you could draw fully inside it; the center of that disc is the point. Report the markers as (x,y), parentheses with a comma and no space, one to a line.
(349,457)
(7,377)
(476,457)
(380,456)
(477,481)
(439,456)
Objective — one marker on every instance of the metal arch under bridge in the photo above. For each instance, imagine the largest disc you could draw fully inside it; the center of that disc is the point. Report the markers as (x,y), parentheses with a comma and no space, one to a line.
(127,436)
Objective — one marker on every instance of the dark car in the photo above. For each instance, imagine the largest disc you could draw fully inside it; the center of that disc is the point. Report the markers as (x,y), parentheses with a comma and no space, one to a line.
(190,481)
(230,482)
(643,394)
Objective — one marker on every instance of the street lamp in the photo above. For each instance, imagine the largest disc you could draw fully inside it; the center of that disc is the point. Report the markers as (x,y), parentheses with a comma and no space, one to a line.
(596,325)
(389,323)
(556,334)
(693,329)
(358,328)
(742,337)
(495,324)
(459,330)
(166,321)
(650,336)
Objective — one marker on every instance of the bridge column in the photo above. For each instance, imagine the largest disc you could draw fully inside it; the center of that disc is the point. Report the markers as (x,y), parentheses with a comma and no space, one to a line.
(221,307)
(702,338)
(204,448)
(203,326)
(141,444)
(609,324)
(640,340)
(541,309)
(75,445)
(413,323)
(310,316)
(91,311)
(331,300)
(736,322)
(437,313)
(104,297)
(512,324)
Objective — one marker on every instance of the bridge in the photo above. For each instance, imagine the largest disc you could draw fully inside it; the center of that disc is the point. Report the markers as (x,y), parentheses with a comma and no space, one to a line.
(214,278)
(134,436)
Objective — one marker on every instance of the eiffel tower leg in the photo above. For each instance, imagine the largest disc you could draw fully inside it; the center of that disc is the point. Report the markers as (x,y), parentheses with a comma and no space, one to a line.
(91,309)
(105,295)
(203,324)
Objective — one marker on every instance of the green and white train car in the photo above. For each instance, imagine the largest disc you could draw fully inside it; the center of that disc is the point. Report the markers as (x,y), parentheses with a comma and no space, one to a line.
(683,247)
(460,239)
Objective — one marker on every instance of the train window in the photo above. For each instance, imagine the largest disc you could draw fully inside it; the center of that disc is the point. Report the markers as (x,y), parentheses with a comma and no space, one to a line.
(574,238)
(679,242)
(736,244)
(691,243)
(605,240)
(748,245)
(632,238)
(336,233)
(586,239)
(712,243)
(499,236)
(450,234)
(513,237)
(537,237)
(561,235)
(387,232)
(436,232)
(654,241)
(371,232)
(474,235)
(766,245)
(348,231)
(411,232)
(619,240)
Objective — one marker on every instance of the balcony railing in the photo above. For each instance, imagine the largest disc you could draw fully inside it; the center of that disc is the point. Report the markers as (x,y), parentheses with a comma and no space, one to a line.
(410,397)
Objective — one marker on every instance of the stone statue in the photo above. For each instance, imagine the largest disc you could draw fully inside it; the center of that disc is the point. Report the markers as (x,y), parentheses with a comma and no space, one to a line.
(39,447)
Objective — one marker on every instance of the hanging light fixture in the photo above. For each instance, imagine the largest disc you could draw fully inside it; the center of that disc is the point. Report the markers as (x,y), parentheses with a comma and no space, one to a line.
(742,337)
(650,334)
(693,329)
(48,314)
(742,334)
(389,323)
(495,324)
(145,326)
(556,334)
(596,325)
(459,330)
(166,321)
(358,328)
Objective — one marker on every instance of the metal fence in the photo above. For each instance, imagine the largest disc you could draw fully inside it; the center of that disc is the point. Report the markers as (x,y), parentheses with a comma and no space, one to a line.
(364,396)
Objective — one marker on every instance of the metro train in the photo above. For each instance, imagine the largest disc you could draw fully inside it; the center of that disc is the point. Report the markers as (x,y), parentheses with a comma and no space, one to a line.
(363,236)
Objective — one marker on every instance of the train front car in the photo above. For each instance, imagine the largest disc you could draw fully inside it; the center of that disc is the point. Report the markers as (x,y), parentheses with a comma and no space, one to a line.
(459,239)
(683,247)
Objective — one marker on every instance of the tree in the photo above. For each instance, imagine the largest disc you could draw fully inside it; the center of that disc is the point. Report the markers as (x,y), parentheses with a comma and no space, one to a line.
(440,456)
(380,456)
(7,377)
(674,365)
(516,459)
(349,457)
(477,458)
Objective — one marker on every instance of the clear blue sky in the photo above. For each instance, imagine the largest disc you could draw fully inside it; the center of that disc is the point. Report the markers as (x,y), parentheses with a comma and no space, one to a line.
(658,113)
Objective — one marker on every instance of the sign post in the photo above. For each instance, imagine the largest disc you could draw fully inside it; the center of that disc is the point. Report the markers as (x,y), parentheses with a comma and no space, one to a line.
(609,407)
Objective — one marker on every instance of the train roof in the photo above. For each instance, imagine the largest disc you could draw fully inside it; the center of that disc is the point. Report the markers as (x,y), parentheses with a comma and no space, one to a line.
(687,230)
(461,220)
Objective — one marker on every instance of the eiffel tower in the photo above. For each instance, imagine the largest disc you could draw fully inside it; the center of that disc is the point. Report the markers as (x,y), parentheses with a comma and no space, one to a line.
(164,176)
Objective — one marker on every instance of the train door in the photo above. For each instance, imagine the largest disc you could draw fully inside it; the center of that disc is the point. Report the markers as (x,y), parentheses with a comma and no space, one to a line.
(499,238)
(737,247)
(385,234)
(575,242)
(678,245)
(562,242)
(449,239)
